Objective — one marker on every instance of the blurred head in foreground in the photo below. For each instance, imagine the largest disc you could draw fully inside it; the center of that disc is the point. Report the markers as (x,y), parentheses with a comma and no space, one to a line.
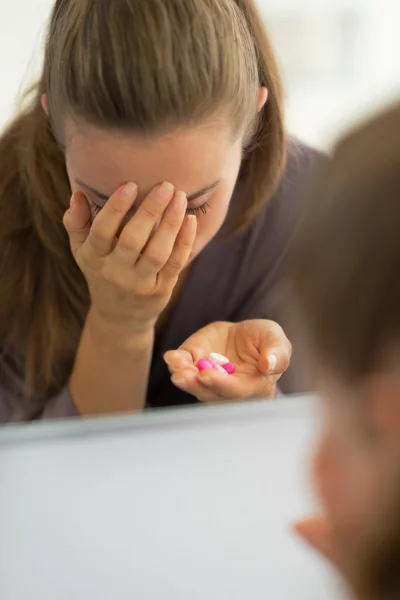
(344,277)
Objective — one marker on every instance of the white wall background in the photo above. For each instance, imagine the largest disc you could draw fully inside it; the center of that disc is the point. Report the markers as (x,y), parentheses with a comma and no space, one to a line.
(340,58)
(22,25)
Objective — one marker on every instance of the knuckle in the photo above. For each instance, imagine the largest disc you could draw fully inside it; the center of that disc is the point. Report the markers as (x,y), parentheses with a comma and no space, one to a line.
(150,211)
(176,263)
(115,278)
(82,259)
(184,245)
(129,243)
(173,222)
(159,292)
(165,288)
(285,362)
(66,220)
(276,329)
(115,207)
(156,260)
(97,233)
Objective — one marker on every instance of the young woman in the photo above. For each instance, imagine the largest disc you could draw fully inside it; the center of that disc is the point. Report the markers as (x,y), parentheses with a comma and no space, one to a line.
(351,320)
(164,120)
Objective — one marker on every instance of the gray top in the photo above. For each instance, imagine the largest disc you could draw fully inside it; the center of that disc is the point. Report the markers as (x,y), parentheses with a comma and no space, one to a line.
(232,280)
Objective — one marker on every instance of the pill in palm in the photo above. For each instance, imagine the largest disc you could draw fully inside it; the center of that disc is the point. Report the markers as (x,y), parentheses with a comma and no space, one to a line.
(229,368)
(206,365)
(219,359)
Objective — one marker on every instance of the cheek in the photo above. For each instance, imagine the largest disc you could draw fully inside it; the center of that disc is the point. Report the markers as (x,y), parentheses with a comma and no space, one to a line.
(345,477)
(72,183)
(209,224)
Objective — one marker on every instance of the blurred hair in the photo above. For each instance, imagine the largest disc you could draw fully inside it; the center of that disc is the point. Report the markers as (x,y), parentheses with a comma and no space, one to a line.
(344,267)
(142,67)
(377,574)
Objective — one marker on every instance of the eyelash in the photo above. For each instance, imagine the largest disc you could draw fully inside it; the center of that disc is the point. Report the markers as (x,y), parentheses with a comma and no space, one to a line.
(95,209)
(197,211)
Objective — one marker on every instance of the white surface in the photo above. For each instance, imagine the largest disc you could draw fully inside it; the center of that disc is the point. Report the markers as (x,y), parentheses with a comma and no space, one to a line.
(184,506)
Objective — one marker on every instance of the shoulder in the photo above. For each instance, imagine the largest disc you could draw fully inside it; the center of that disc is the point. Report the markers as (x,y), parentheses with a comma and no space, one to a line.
(248,263)
(259,251)
(302,162)
(273,226)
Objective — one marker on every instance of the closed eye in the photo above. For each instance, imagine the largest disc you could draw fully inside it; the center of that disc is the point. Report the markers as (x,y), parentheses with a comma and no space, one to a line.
(191,210)
(199,210)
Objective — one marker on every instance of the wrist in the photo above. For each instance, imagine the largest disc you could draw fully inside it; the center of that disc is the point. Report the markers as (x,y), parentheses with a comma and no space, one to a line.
(119,336)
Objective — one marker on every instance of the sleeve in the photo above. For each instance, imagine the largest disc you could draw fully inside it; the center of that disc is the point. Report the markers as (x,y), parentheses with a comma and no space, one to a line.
(15,408)
(60,407)
(271,235)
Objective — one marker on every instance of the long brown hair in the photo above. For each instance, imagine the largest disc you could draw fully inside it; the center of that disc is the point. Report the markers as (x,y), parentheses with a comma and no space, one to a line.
(141,67)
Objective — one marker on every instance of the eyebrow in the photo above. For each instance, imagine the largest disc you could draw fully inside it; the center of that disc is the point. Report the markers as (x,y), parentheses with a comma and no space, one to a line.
(105,197)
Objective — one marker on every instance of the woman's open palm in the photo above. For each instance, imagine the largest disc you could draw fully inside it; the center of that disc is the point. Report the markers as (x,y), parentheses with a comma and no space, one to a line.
(258,348)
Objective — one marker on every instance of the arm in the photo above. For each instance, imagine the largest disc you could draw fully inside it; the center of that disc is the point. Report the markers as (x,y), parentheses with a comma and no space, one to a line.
(130,279)
(131,271)
(111,369)
(110,376)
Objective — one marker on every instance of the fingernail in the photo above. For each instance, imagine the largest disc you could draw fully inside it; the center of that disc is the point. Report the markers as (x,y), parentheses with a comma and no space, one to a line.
(272,362)
(73,200)
(130,190)
(165,190)
(179,202)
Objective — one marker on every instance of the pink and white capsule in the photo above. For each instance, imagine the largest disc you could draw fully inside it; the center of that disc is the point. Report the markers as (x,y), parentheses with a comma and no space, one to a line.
(229,368)
(206,365)
(219,359)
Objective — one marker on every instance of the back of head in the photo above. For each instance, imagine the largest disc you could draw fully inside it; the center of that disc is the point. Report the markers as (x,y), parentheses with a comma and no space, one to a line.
(129,66)
(345,263)
(344,279)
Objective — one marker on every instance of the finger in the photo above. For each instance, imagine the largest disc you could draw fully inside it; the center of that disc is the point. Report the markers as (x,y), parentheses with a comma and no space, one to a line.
(237,386)
(182,250)
(274,354)
(158,250)
(179,360)
(137,232)
(77,221)
(187,381)
(196,353)
(317,532)
(108,222)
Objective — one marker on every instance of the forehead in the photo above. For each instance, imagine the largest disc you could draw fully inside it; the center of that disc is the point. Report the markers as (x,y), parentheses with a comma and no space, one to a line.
(188,158)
